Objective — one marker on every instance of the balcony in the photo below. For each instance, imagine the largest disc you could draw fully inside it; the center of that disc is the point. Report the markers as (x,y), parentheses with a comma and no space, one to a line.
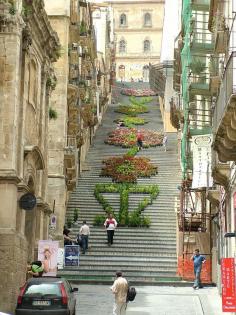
(199,84)
(225,114)
(200,5)
(201,42)
(72,95)
(74,34)
(70,152)
(221,41)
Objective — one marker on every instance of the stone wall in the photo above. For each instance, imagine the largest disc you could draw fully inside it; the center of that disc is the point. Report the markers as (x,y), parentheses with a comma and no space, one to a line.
(13,253)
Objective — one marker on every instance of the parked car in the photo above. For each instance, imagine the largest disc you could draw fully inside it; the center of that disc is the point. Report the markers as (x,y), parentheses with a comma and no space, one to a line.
(48,296)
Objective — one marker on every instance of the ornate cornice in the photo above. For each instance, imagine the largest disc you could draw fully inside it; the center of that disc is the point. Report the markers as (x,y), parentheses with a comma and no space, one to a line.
(38,22)
(10,21)
(214,197)
(9,176)
(220,174)
(44,206)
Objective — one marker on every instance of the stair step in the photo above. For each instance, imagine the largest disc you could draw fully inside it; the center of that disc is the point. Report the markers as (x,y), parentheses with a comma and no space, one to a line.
(145,255)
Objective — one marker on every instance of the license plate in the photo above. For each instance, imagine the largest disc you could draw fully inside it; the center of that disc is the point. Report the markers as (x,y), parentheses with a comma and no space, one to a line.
(41,303)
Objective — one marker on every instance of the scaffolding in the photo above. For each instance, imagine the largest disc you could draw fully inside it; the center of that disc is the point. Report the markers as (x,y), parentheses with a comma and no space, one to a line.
(195,81)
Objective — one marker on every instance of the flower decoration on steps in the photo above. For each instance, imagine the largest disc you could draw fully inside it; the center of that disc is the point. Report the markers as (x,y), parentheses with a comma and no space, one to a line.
(138,92)
(127,137)
(128,168)
(132,110)
(130,121)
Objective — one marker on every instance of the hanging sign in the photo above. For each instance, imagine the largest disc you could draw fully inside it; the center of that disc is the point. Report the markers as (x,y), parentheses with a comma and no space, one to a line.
(228,284)
(27,201)
(201,147)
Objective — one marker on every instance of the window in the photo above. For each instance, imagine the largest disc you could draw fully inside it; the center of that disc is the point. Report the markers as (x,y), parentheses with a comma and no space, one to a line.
(147,19)
(123,20)
(146,45)
(122,46)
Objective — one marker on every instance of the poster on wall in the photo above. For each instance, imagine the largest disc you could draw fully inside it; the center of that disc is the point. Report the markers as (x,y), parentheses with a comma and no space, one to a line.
(228,285)
(71,255)
(47,253)
(201,147)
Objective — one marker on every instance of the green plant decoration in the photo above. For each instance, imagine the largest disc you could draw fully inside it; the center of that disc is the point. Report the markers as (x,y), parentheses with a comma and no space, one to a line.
(52,113)
(125,217)
(51,83)
(99,220)
(197,66)
(132,110)
(131,121)
(12,10)
(83,28)
(76,214)
(69,223)
(140,101)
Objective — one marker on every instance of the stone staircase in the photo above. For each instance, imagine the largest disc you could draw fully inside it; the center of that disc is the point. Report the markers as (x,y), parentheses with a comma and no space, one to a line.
(145,255)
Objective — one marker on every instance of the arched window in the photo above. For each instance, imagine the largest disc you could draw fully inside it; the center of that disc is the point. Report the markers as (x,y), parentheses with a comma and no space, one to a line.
(123,20)
(147,19)
(146,46)
(122,46)
(146,73)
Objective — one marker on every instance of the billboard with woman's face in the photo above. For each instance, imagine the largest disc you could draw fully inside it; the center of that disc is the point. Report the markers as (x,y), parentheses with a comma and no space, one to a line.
(47,253)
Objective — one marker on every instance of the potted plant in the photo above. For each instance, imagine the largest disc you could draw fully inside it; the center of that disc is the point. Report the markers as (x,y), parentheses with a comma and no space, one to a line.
(197,66)
(52,113)
(83,29)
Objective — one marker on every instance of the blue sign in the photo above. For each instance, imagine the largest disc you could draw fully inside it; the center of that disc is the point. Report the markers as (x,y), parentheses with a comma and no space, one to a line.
(71,255)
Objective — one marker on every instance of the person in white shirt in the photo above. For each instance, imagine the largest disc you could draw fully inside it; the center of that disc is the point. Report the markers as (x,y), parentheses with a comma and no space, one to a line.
(164,141)
(84,233)
(120,289)
(110,225)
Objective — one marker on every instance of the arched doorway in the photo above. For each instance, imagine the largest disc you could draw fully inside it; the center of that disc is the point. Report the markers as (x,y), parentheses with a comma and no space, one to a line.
(146,73)
(121,73)
(30,223)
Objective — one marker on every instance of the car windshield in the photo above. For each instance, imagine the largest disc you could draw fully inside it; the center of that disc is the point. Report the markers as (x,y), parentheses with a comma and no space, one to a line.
(43,289)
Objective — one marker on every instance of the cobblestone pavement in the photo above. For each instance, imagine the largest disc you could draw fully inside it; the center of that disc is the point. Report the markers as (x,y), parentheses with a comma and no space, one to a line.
(150,300)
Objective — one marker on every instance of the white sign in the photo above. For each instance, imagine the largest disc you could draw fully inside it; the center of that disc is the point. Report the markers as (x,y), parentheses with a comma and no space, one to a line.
(201,147)
(53,221)
(60,258)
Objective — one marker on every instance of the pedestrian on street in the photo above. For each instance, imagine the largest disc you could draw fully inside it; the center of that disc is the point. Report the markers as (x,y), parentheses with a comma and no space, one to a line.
(120,289)
(67,239)
(139,140)
(110,225)
(84,233)
(164,141)
(35,269)
(198,260)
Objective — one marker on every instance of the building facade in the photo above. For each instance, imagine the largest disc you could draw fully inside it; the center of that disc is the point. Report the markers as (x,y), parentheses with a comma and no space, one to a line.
(79,99)
(204,112)
(138,29)
(26,66)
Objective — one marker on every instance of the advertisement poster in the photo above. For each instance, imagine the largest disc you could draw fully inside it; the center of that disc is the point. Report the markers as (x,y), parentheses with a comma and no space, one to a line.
(228,284)
(71,255)
(47,253)
(201,147)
